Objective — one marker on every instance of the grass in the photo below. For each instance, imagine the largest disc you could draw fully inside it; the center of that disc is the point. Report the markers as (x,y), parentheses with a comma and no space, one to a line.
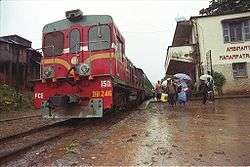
(11,100)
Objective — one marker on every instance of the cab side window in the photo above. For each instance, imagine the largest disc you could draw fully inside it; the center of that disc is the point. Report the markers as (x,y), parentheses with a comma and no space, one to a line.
(119,49)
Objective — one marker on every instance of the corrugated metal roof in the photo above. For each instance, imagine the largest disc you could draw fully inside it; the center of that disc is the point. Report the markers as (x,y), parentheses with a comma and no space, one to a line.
(2,39)
(15,36)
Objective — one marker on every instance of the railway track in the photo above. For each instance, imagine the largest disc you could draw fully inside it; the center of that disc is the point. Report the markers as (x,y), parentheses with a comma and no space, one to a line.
(19,143)
(103,127)
(34,130)
(13,126)
(19,118)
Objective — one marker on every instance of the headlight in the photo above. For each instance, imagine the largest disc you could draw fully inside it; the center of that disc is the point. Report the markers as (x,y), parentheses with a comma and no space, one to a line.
(83,69)
(48,72)
(74,60)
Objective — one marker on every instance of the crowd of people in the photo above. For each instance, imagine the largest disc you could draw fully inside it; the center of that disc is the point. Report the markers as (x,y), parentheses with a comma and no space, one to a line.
(179,91)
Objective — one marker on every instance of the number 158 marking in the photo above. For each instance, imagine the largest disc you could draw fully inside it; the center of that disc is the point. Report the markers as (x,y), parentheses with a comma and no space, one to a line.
(105,84)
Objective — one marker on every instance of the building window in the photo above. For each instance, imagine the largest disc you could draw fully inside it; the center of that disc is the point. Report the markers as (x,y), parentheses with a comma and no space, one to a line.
(246,30)
(239,69)
(226,33)
(236,31)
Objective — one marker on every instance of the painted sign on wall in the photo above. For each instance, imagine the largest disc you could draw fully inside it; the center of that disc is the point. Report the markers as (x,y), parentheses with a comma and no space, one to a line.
(236,53)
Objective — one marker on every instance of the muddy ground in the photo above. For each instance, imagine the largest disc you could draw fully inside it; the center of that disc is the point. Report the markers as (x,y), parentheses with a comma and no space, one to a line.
(214,134)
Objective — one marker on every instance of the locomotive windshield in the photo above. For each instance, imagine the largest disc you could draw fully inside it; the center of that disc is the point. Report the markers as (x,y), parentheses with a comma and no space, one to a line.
(99,37)
(53,43)
(74,41)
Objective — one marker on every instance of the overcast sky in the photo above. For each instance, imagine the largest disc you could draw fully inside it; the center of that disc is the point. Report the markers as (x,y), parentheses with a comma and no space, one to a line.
(147,26)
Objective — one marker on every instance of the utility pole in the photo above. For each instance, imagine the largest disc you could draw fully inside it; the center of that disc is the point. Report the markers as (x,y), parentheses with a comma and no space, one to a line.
(209,61)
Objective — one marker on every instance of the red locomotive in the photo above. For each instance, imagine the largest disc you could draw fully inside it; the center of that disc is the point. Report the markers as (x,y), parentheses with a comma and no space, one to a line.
(84,69)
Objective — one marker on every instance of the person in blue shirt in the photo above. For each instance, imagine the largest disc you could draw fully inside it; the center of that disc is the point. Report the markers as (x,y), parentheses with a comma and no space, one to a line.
(182,95)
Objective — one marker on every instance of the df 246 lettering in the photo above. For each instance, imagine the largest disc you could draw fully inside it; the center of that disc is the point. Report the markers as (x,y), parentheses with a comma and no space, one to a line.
(102,93)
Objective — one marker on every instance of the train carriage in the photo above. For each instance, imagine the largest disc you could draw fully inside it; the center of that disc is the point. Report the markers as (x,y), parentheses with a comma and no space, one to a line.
(84,69)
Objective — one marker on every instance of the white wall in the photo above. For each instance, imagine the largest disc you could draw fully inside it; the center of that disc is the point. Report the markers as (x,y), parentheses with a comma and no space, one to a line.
(210,34)
(210,37)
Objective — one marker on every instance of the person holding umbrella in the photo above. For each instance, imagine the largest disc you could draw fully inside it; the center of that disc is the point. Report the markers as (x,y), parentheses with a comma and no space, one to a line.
(210,86)
(183,87)
(204,91)
(182,96)
(204,87)
(171,90)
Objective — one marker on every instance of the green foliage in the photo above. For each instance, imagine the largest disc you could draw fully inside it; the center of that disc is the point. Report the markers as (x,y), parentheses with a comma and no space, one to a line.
(217,7)
(219,79)
(11,100)
(8,98)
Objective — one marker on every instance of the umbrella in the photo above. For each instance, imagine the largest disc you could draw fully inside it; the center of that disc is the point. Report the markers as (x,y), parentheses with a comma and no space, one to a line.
(182,76)
(165,82)
(205,77)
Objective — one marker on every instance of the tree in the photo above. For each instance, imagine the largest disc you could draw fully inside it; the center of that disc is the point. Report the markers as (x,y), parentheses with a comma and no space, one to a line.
(218,7)
(219,80)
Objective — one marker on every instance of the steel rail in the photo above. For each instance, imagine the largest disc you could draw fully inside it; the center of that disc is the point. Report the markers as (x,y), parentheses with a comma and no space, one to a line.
(24,117)
(6,154)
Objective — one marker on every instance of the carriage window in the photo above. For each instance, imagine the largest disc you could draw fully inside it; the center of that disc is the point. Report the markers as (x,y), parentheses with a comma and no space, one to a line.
(53,43)
(74,41)
(99,37)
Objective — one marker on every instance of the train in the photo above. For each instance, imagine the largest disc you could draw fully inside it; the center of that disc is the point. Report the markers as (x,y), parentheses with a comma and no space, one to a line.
(84,69)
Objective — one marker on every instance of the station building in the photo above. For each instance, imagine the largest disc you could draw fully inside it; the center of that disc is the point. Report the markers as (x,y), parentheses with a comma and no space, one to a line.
(218,42)
(19,63)
(180,55)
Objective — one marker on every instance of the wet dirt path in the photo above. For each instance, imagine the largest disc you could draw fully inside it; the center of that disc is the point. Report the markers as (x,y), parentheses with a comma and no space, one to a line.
(215,134)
